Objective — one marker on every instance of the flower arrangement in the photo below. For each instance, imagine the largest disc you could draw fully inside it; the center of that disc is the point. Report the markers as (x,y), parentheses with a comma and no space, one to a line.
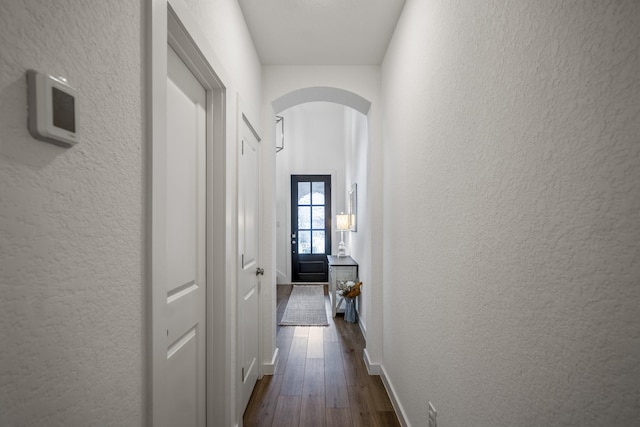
(349,289)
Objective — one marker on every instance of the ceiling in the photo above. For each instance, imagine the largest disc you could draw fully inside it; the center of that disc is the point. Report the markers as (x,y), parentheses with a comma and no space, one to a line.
(321,32)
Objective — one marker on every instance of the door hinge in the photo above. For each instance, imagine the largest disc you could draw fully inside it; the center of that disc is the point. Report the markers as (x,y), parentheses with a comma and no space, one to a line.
(243,147)
(242,374)
(242,261)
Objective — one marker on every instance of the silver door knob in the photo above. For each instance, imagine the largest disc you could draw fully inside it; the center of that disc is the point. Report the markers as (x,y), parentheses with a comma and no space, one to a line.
(259,271)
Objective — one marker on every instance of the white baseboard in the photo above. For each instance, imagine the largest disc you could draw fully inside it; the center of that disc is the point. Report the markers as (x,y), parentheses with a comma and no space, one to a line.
(270,368)
(372,368)
(363,328)
(378,369)
(281,278)
(397,406)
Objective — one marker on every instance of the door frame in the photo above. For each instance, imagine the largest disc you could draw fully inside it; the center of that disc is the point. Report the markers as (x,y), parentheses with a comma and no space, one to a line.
(329,226)
(170,23)
(334,180)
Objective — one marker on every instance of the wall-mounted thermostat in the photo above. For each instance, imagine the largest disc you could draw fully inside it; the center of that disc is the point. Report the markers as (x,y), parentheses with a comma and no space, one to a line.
(52,109)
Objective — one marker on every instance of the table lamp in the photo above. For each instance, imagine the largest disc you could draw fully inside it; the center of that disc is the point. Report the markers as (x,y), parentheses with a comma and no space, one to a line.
(342,225)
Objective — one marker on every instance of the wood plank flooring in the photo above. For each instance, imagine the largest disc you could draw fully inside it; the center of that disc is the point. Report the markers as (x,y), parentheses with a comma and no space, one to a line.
(320,380)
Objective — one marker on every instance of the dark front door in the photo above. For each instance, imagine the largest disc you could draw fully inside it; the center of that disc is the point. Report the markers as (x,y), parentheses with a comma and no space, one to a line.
(310,227)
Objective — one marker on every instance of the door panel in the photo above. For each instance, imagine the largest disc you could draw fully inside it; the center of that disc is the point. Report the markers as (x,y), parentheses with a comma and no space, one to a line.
(248,277)
(310,227)
(181,356)
(185,262)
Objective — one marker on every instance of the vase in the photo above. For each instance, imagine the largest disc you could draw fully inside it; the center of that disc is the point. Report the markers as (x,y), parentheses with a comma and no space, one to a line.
(350,313)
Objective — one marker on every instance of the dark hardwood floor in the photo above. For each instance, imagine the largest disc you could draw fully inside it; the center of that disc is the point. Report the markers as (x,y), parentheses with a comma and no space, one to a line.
(320,379)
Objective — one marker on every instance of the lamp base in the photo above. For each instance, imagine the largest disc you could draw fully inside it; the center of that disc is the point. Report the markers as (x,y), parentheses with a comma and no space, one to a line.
(341,250)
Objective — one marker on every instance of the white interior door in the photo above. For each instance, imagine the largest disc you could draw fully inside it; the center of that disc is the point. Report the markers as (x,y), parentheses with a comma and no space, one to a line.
(250,271)
(185,246)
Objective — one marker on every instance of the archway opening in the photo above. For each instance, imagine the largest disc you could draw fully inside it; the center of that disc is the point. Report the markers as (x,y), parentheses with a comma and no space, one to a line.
(326,133)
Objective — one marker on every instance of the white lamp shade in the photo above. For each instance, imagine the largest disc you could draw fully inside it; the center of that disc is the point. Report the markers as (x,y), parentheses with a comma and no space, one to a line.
(342,222)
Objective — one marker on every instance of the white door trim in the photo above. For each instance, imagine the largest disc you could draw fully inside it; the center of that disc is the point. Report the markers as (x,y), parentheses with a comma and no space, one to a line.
(171,22)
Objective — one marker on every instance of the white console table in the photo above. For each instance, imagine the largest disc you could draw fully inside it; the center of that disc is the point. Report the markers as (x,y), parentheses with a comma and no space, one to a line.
(340,269)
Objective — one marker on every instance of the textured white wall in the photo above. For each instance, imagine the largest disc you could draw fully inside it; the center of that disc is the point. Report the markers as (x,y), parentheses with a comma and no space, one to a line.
(71,251)
(357,172)
(512,212)
(222,22)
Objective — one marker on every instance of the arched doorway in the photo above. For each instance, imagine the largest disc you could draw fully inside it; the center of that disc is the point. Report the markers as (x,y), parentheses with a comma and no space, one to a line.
(285,88)
(328,141)
(366,244)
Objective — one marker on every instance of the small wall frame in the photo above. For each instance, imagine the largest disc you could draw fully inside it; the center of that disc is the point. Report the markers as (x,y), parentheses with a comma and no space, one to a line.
(353,208)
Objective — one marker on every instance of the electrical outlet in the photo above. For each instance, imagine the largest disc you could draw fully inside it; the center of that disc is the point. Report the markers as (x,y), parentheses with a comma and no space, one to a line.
(433,422)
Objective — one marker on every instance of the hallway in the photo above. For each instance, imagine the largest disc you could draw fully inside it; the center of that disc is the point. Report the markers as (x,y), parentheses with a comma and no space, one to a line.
(494,153)
(320,380)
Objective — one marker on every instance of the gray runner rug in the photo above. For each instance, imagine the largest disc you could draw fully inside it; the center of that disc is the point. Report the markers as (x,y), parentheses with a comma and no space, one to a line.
(305,307)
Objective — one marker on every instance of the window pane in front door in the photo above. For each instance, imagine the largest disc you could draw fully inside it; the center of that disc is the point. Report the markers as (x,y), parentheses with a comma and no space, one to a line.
(304,217)
(311,218)
(304,193)
(317,197)
(304,242)
(318,242)
(317,218)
